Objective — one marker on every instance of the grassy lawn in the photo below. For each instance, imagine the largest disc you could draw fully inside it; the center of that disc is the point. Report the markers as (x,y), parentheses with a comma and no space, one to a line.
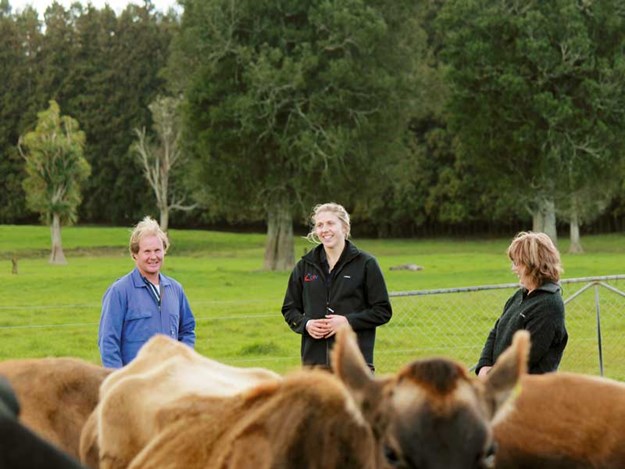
(48,310)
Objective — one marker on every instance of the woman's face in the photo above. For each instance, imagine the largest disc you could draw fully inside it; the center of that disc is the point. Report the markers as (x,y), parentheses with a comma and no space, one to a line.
(521,271)
(329,230)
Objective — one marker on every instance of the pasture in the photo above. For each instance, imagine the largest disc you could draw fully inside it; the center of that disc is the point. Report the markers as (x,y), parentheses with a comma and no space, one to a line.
(48,310)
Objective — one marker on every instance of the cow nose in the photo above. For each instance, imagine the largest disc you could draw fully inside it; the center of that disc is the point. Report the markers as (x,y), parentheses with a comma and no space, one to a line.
(391,456)
(488,460)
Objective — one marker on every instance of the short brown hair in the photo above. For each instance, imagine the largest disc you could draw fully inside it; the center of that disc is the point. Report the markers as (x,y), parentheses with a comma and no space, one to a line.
(537,253)
(146,227)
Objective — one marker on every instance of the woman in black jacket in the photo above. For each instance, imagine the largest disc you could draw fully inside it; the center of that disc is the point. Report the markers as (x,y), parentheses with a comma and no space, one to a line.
(334,284)
(536,307)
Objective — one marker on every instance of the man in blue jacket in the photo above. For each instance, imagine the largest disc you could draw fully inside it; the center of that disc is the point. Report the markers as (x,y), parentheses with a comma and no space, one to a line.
(144,302)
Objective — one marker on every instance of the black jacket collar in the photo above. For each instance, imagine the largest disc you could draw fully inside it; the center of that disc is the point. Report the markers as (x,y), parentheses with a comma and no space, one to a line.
(317,255)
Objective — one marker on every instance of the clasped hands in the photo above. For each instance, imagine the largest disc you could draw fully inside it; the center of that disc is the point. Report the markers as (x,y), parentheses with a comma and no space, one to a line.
(325,327)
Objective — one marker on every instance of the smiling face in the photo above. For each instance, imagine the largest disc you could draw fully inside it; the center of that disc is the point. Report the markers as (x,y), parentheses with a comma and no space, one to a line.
(149,259)
(330,231)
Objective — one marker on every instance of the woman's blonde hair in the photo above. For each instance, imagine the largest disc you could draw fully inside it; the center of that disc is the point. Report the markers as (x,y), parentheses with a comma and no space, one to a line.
(146,227)
(537,253)
(334,208)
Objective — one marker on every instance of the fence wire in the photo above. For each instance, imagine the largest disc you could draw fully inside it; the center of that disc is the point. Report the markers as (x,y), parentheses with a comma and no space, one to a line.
(455,322)
(452,322)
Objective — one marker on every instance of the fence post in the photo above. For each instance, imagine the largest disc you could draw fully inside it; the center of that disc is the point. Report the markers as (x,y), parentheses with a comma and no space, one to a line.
(597,309)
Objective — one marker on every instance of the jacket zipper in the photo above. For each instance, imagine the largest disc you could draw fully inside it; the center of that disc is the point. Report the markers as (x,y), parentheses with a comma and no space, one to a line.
(328,308)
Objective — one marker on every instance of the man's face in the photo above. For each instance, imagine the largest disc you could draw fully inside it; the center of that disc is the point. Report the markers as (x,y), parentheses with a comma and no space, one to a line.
(149,259)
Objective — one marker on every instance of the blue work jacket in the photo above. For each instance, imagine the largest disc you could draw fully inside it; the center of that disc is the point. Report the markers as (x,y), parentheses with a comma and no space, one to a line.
(131,315)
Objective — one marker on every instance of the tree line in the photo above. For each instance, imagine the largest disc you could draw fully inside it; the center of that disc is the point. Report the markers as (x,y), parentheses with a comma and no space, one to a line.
(446,113)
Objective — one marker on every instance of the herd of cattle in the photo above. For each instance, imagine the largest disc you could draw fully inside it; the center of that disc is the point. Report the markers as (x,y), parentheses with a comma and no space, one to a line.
(173,408)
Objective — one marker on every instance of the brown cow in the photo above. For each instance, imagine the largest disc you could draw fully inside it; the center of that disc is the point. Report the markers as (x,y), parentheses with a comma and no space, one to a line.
(308,420)
(432,414)
(56,396)
(564,420)
(164,371)
(20,448)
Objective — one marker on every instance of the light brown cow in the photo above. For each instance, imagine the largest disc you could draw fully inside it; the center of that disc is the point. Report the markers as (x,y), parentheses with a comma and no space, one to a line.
(56,396)
(308,420)
(432,414)
(164,371)
(564,420)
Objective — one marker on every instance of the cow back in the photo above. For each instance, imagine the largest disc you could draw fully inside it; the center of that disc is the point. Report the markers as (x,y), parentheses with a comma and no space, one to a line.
(163,372)
(564,420)
(307,420)
(56,396)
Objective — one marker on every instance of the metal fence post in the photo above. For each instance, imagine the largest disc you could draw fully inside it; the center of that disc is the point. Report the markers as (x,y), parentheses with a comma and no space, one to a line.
(598,311)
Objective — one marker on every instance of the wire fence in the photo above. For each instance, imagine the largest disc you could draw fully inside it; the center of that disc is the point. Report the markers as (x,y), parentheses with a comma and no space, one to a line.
(452,322)
(455,322)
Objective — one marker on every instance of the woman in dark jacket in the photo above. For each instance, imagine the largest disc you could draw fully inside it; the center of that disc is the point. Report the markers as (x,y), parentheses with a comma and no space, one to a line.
(537,306)
(334,284)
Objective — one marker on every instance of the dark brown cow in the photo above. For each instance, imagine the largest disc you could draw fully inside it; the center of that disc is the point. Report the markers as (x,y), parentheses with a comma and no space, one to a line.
(433,414)
(565,421)
(56,396)
(430,415)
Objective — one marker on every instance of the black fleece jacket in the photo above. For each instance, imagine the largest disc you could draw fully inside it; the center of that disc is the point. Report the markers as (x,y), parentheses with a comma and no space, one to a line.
(540,312)
(356,290)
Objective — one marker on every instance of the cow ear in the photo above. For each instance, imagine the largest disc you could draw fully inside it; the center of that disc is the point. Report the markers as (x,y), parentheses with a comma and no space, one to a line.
(347,360)
(503,381)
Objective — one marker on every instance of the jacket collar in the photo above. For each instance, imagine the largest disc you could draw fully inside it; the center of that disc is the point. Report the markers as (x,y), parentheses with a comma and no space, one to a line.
(349,252)
(549,287)
(138,282)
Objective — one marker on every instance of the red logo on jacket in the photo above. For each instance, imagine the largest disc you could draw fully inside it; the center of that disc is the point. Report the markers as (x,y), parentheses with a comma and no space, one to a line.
(310,277)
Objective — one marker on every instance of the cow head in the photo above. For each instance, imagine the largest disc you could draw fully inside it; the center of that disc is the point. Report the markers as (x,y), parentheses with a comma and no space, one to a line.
(432,414)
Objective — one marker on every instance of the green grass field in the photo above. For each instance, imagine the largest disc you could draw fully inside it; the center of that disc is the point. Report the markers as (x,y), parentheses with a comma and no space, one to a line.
(51,310)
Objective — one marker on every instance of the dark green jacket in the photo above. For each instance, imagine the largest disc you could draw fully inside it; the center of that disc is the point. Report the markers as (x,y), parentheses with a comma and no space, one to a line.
(357,291)
(542,314)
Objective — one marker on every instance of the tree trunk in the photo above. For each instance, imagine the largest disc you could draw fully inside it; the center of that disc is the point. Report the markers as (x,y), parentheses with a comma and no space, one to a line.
(538,221)
(576,244)
(550,220)
(56,256)
(164,219)
(279,249)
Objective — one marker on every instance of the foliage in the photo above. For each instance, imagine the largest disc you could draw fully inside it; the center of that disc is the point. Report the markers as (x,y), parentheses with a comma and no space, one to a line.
(310,101)
(55,165)
(117,76)
(103,70)
(160,161)
(289,103)
(19,39)
(536,93)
